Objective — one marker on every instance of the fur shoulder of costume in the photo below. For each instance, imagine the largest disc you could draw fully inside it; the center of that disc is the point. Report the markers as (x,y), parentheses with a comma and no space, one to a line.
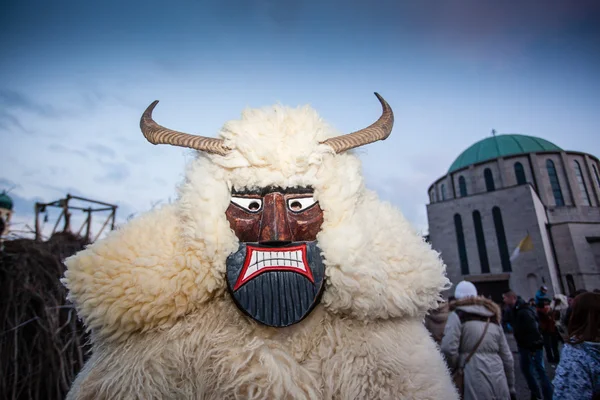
(137,278)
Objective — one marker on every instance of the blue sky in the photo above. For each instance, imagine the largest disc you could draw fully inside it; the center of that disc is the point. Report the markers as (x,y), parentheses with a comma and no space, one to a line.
(75,77)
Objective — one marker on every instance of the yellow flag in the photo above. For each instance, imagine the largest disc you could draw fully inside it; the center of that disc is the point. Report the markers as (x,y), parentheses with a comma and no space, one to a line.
(526,244)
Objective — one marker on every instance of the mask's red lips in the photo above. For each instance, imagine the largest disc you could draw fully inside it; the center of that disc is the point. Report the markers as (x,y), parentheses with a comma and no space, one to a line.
(268,259)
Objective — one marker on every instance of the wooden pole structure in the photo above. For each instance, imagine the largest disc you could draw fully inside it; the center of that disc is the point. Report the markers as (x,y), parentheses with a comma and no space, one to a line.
(89,224)
(57,221)
(66,209)
(113,215)
(101,229)
(37,221)
(67,227)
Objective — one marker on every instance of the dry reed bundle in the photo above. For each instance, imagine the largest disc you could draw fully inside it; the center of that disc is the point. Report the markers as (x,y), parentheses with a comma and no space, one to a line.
(42,342)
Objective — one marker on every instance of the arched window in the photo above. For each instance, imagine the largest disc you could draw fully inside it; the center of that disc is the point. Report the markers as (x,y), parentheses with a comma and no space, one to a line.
(431,196)
(460,241)
(489,180)
(582,186)
(596,175)
(462,186)
(558,197)
(443,192)
(501,237)
(520,174)
(483,258)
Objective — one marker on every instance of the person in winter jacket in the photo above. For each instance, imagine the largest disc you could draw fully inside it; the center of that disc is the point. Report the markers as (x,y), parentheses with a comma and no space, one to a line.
(530,345)
(578,373)
(489,374)
(435,321)
(549,332)
(541,295)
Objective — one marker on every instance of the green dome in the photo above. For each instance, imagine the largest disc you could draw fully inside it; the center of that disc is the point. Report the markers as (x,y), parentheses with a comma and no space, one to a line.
(5,201)
(501,146)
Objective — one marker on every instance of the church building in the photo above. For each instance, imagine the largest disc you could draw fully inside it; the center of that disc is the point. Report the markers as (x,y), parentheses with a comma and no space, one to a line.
(518,212)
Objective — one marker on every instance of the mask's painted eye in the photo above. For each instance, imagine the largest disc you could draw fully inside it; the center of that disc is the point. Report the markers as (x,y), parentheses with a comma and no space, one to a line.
(300,204)
(248,203)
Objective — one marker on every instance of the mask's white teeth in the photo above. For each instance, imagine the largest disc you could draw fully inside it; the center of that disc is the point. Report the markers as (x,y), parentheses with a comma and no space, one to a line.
(253,266)
(286,258)
(266,259)
(271,255)
(294,259)
(277,262)
(300,260)
(274,259)
(260,263)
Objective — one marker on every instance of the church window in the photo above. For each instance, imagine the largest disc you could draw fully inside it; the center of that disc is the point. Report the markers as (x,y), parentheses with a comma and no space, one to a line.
(582,186)
(556,190)
(520,174)
(501,238)
(597,176)
(443,192)
(462,186)
(489,180)
(462,249)
(483,257)
(571,285)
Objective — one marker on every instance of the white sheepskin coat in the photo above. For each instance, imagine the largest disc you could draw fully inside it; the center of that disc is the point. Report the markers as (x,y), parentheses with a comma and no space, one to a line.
(153,293)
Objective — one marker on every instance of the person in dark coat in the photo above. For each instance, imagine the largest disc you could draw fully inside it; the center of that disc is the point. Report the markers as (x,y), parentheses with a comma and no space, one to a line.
(541,295)
(548,329)
(530,344)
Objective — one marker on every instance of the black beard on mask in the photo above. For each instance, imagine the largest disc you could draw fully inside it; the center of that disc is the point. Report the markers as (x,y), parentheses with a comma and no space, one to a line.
(276,286)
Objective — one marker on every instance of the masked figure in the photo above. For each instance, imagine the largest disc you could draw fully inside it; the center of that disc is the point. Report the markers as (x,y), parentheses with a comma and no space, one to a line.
(275,275)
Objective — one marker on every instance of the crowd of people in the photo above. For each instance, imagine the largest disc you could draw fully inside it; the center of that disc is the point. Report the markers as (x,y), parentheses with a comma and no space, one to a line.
(471,332)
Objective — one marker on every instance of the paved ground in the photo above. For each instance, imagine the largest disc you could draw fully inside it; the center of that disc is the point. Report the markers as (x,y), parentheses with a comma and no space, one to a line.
(521,385)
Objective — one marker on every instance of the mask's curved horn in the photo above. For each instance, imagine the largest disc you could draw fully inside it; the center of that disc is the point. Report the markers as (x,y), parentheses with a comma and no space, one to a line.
(157,134)
(380,130)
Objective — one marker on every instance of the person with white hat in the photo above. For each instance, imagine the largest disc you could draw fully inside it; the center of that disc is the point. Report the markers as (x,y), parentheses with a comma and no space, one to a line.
(465,289)
(476,349)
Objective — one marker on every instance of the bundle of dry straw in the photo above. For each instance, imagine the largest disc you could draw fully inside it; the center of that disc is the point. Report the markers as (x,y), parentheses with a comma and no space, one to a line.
(42,343)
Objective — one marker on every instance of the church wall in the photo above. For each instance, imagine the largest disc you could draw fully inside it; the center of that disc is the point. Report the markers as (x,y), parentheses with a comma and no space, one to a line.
(467,174)
(547,245)
(559,215)
(477,177)
(545,185)
(595,185)
(447,183)
(519,216)
(587,178)
(510,178)
(542,186)
(474,178)
(577,256)
(432,196)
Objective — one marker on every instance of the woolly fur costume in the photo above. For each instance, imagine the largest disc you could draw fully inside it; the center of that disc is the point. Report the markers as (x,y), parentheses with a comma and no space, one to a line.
(164,326)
